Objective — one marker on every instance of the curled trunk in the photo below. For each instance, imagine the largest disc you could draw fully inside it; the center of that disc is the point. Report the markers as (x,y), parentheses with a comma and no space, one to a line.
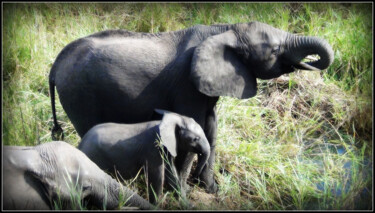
(118,194)
(298,47)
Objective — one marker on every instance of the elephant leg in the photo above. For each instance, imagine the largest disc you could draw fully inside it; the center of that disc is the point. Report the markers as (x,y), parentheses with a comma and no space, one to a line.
(206,178)
(172,180)
(155,173)
(202,109)
(184,161)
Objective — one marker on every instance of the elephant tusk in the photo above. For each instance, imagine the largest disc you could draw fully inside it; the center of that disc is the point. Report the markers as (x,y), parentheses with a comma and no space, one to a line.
(312,58)
(306,66)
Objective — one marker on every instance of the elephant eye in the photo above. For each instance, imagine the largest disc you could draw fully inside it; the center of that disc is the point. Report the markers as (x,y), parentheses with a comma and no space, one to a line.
(275,50)
(86,186)
(196,139)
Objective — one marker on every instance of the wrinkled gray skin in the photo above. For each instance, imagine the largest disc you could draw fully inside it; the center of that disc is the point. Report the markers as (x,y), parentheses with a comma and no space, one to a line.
(121,76)
(126,148)
(35,177)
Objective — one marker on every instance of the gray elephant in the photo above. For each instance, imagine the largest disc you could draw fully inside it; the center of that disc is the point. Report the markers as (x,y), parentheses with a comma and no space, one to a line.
(40,177)
(126,148)
(121,76)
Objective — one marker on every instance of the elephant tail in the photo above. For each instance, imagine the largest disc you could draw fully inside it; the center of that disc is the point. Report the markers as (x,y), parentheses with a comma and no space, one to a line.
(57,132)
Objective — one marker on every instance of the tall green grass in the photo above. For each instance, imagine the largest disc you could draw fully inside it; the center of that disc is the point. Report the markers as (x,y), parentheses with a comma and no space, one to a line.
(305,140)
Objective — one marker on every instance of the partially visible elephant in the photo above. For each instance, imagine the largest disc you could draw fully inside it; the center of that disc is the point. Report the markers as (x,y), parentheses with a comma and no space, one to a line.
(40,177)
(121,76)
(153,145)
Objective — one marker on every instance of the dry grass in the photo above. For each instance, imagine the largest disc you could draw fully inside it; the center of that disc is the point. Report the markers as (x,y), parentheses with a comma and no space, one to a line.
(304,142)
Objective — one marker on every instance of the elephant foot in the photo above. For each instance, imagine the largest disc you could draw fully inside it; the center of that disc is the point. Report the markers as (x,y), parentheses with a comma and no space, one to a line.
(190,206)
(185,204)
(187,189)
(210,187)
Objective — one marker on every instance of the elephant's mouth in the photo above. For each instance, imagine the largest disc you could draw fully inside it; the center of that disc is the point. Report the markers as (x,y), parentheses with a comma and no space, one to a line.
(307,63)
(196,150)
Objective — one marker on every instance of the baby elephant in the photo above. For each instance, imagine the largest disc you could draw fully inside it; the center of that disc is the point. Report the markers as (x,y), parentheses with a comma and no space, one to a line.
(126,148)
(58,175)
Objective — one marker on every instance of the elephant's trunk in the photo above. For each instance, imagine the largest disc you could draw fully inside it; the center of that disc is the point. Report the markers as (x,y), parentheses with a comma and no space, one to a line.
(132,199)
(298,47)
(203,158)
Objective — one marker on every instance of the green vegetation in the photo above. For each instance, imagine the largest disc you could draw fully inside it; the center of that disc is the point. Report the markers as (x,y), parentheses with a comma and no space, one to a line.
(305,140)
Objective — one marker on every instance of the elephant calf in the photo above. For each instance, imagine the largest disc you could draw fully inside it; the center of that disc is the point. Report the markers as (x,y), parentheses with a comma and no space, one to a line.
(127,148)
(41,177)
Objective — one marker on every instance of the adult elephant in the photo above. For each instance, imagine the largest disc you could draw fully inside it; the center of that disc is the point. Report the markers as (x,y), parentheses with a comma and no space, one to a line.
(121,76)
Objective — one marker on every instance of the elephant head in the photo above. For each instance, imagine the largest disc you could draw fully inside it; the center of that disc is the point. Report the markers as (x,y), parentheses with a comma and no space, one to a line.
(66,170)
(56,174)
(182,134)
(229,63)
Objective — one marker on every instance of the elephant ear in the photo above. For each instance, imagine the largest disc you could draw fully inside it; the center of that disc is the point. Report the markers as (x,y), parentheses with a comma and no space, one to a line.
(168,128)
(217,70)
